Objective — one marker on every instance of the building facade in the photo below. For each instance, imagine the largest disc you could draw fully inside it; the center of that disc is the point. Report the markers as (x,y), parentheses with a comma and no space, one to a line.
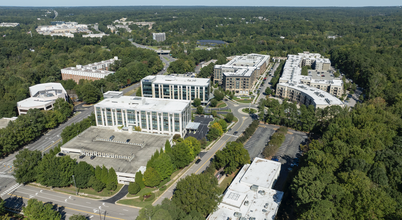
(240,74)
(152,115)
(174,87)
(159,37)
(93,71)
(43,96)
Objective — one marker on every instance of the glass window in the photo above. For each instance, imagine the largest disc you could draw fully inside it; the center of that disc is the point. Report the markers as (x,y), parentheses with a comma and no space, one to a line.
(143,120)
(154,121)
(119,117)
(147,89)
(176,122)
(99,116)
(165,122)
(131,117)
(109,117)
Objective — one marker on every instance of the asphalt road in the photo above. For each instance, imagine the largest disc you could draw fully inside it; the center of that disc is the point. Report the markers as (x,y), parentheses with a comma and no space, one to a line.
(266,84)
(69,205)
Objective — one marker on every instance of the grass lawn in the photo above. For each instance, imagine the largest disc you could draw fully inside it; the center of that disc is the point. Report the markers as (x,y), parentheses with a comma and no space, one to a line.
(154,47)
(246,110)
(245,101)
(142,192)
(166,58)
(221,104)
(226,182)
(104,193)
(137,202)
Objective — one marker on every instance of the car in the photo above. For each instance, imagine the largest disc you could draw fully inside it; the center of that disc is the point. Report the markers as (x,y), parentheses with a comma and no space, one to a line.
(198,161)
(128,140)
(290,168)
(275,159)
(92,157)
(111,137)
(229,129)
(235,132)
(60,154)
(82,156)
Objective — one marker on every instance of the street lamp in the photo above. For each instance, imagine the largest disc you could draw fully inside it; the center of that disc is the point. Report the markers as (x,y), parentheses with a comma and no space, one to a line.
(76,190)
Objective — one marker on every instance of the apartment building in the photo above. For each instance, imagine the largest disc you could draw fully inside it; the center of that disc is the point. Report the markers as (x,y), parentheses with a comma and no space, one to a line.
(93,71)
(176,87)
(240,73)
(43,96)
(159,37)
(152,115)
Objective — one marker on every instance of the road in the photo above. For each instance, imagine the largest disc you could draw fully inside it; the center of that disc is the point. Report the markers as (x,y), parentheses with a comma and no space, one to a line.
(69,205)
(266,84)
(240,126)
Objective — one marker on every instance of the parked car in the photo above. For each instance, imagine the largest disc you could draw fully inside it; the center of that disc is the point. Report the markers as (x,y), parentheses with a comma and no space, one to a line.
(275,159)
(128,140)
(82,156)
(92,157)
(111,137)
(60,154)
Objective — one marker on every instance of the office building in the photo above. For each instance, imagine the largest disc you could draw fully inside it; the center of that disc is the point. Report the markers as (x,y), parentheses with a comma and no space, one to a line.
(100,35)
(63,29)
(43,96)
(240,73)
(159,37)
(176,87)
(152,115)
(250,195)
(93,71)
(5,24)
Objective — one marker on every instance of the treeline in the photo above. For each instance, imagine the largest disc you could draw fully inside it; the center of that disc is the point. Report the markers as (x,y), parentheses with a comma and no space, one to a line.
(30,126)
(353,171)
(277,74)
(275,142)
(248,132)
(38,210)
(74,129)
(57,171)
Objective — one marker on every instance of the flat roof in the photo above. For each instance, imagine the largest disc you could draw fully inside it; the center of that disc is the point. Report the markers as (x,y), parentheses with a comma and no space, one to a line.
(193,125)
(96,139)
(145,104)
(92,67)
(45,86)
(240,200)
(251,60)
(4,121)
(176,80)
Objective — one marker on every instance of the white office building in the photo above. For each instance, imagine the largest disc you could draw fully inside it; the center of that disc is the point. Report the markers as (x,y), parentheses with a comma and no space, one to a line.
(250,196)
(43,96)
(152,115)
(159,36)
(93,71)
(176,87)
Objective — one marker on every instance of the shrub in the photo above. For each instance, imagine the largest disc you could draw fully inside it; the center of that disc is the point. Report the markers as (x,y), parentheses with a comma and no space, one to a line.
(213,103)
(133,188)
(163,188)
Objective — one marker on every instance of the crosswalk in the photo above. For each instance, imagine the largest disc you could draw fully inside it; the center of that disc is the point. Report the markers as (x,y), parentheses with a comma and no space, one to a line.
(12,188)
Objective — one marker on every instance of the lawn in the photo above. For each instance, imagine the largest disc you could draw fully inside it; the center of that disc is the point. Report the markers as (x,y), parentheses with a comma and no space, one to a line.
(142,192)
(221,104)
(137,202)
(89,191)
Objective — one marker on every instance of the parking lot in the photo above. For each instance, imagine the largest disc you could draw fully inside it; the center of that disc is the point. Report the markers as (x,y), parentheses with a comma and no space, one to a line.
(202,129)
(286,154)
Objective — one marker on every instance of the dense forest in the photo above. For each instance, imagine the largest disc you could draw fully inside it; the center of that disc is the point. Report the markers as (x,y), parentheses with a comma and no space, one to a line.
(352,167)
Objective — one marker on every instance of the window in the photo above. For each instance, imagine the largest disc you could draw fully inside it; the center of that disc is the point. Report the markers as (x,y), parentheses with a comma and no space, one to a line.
(99,116)
(109,117)
(131,117)
(176,122)
(119,117)
(143,120)
(154,121)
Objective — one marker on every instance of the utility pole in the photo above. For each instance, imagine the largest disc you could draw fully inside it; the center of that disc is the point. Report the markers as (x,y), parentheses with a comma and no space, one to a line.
(76,190)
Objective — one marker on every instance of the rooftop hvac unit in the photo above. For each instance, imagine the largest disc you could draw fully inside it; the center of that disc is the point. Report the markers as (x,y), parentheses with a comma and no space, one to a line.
(237,214)
(246,203)
(262,192)
(254,188)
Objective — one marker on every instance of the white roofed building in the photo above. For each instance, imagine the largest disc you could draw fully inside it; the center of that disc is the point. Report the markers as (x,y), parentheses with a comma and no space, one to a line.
(250,196)
(93,71)
(43,96)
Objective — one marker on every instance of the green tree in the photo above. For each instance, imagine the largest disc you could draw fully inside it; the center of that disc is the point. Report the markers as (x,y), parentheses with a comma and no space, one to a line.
(181,154)
(55,171)
(213,103)
(229,117)
(2,207)
(139,179)
(223,124)
(89,93)
(105,175)
(219,95)
(194,145)
(151,177)
(168,148)
(96,184)
(213,134)
(25,164)
(197,192)
(214,113)
(268,91)
(200,110)
(63,107)
(98,172)
(77,217)
(163,165)
(133,188)
(233,156)
(83,171)
(217,126)
(112,180)
(196,102)
(35,210)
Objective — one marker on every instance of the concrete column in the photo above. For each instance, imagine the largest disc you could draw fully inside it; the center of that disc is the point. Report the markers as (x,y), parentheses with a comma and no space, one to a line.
(199,90)
(138,117)
(180,124)
(150,128)
(96,116)
(126,118)
(103,117)
(157,119)
(112,113)
(170,132)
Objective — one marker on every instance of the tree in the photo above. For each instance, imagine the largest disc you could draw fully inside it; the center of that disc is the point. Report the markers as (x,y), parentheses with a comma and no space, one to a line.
(112,180)
(163,165)
(37,210)
(77,217)
(214,113)
(218,127)
(213,103)
(197,192)
(105,175)
(229,117)
(133,188)
(168,148)
(200,110)
(223,124)
(96,184)
(25,164)
(213,134)
(268,91)
(55,171)
(182,155)
(98,172)
(196,102)
(151,177)
(233,156)
(139,179)
(2,207)
(89,93)
(83,171)
(219,95)
(63,107)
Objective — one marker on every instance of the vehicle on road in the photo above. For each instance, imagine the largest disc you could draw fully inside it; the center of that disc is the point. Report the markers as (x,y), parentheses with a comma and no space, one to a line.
(92,157)
(235,132)
(198,161)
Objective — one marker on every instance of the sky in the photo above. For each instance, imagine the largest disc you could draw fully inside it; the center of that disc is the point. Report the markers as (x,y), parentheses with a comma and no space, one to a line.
(289,3)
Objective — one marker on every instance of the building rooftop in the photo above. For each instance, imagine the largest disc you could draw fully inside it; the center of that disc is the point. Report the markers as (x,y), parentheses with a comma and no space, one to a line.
(4,121)
(98,67)
(235,71)
(245,199)
(174,80)
(36,89)
(112,94)
(320,97)
(97,139)
(144,104)
(250,60)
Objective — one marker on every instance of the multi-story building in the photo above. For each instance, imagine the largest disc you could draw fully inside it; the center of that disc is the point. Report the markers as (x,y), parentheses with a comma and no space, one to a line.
(63,29)
(4,24)
(43,96)
(173,87)
(240,73)
(152,115)
(159,36)
(250,195)
(100,35)
(93,71)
